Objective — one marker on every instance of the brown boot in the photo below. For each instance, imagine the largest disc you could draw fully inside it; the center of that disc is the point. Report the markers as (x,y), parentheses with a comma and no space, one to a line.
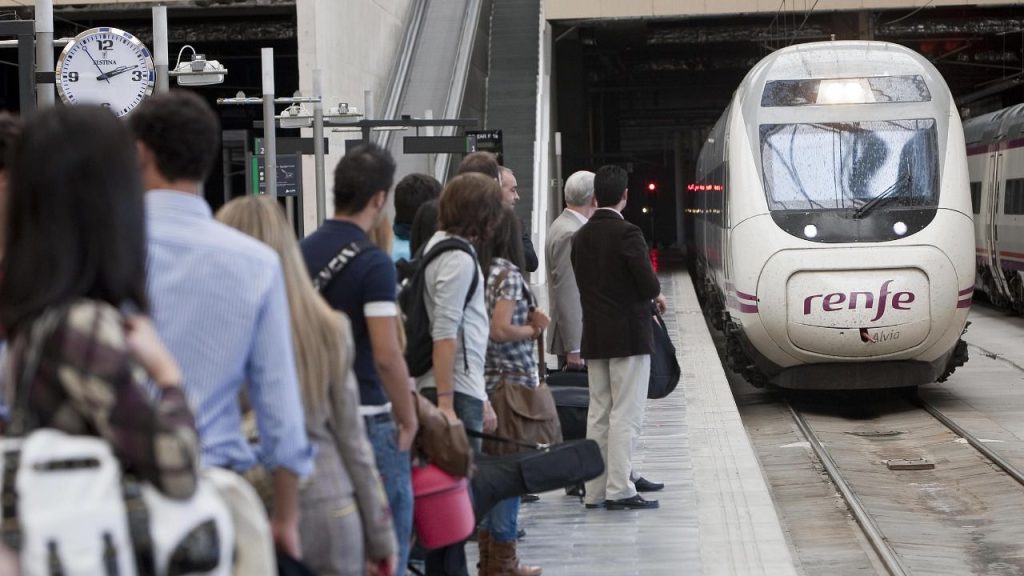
(505,563)
(485,567)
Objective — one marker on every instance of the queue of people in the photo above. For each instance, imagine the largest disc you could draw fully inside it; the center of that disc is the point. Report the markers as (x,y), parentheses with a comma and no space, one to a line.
(190,341)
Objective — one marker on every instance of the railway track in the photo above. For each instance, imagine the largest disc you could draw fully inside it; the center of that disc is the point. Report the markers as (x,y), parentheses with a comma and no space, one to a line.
(873,532)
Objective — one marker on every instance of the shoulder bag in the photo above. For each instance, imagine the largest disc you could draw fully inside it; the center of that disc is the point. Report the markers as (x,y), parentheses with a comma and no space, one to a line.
(665,370)
(525,414)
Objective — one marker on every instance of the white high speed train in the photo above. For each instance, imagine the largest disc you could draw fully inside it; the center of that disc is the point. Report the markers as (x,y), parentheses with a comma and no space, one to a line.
(995,159)
(832,220)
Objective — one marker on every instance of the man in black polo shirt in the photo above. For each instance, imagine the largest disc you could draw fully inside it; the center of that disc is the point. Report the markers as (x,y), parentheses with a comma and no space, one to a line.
(365,290)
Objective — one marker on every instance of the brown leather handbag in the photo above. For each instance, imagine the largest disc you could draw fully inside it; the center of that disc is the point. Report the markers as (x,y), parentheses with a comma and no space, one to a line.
(524,414)
(441,441)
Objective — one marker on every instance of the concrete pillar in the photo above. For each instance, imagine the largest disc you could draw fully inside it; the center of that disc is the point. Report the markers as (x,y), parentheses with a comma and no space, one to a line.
(354,43)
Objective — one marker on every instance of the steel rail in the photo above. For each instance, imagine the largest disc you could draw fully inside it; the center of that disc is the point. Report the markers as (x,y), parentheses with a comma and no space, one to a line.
(973,440)
(874,535)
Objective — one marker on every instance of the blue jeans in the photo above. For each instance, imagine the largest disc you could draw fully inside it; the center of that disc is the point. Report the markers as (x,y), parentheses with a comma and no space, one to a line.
(502,520)
(396,473)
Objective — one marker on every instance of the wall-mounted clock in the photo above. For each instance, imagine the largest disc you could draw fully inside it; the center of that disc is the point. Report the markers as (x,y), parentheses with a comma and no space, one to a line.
(105,66)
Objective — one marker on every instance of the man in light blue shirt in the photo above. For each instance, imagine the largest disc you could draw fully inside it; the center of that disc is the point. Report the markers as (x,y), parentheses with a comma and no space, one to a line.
(219,303)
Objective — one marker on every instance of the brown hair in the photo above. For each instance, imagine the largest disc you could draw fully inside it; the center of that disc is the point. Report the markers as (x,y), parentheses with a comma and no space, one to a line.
(470,207)
(481,162)
(506,241)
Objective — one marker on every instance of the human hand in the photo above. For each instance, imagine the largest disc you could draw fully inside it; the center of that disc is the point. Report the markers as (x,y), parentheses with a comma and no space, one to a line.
(286,536)
(449,412)
(490,418)
(574,361)
(383,567)
(538,319)
(661,303)
(149,350)
(406,436)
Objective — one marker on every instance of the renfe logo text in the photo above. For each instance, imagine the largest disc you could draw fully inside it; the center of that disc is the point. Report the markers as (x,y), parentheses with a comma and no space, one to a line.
(839,300)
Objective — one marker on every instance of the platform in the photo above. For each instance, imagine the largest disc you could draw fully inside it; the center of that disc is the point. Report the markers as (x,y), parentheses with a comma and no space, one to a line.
(716,514)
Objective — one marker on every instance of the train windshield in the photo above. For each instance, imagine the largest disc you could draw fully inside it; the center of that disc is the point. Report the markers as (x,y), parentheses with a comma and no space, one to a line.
(847,165)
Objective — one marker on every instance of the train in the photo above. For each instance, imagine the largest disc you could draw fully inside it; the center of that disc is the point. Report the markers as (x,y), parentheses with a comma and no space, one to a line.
(995,163)
(832,221)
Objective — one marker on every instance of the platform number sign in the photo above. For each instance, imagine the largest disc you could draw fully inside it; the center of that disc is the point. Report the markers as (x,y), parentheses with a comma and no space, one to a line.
(105,66)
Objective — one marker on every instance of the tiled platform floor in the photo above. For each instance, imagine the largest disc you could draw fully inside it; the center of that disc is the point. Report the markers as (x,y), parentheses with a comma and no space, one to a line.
(716,514)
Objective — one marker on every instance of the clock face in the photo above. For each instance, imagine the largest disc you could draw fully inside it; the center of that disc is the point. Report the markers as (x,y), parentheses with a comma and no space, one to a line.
(105,66)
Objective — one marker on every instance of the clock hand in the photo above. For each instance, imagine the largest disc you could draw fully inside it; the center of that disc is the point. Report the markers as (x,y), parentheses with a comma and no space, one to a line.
(101,76)
(115,72)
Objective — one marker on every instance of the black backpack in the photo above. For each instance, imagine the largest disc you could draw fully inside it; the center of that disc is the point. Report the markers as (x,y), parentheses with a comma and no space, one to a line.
(419,347)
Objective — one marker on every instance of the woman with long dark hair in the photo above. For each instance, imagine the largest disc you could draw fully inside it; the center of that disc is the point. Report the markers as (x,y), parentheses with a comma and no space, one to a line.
(515,324)
(74,294)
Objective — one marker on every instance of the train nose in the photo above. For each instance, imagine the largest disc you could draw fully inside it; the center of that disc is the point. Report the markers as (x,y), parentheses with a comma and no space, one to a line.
(858,313)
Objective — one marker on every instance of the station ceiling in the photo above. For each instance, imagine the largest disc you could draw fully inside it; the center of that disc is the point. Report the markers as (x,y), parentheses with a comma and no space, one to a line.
(663,75)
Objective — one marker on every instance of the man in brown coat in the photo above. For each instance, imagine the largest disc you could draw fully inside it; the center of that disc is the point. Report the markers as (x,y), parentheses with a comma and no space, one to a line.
(617,285)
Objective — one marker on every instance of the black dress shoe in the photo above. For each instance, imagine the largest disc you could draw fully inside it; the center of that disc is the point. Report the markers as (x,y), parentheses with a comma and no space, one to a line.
(635,503)
(578,490)
(644,485)
(527,498)
(520,534)
(594,506)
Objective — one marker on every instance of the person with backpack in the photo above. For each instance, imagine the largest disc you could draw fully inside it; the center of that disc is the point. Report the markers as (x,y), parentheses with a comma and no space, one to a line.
(452,297)
(358,279)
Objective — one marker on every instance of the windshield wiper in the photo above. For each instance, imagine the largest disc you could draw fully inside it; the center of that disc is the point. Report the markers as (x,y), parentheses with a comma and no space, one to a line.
(870,205)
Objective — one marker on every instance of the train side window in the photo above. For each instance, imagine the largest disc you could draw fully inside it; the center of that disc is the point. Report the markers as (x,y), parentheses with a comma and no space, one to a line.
(1013,203)
(976,197)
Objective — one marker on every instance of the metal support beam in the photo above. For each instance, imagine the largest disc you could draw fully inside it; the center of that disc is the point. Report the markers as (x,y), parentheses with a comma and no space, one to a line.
(269,128)
(160,48)
(318,147)
(24,32)
(45,95)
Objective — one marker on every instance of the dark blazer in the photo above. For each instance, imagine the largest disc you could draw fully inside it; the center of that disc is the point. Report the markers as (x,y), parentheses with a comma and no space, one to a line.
(616,282)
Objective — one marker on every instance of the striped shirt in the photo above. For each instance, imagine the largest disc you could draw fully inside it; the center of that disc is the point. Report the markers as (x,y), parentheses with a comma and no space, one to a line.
(219,303)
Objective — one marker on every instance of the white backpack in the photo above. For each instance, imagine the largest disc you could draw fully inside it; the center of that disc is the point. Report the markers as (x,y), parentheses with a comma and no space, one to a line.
(68,510)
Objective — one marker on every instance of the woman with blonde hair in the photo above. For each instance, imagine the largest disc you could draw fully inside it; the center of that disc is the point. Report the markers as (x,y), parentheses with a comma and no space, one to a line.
(344,511)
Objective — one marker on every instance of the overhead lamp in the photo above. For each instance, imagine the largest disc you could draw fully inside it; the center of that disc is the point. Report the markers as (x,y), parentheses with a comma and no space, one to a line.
(198,71)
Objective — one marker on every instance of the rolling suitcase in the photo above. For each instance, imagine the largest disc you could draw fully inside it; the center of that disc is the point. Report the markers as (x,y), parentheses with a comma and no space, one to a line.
(572,404)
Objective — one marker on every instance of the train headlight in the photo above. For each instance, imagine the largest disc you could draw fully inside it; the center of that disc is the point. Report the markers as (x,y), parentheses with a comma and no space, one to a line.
(899,228)
(850,91)
(810,231)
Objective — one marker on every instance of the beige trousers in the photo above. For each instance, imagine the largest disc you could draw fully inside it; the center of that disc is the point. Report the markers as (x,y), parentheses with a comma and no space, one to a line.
(618,395)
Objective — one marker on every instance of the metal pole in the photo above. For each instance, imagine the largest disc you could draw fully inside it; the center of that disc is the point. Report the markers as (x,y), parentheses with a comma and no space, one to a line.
(428,114)
(44,53)
(318,147)
(269,136)
(160,48)
(368,113)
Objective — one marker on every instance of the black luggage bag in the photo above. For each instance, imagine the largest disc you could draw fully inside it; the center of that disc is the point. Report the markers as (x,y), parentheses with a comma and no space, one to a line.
(566,378)
(572,404)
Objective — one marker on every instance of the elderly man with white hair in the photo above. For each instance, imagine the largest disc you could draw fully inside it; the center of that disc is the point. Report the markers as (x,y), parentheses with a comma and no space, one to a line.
(565,331)
(566,328)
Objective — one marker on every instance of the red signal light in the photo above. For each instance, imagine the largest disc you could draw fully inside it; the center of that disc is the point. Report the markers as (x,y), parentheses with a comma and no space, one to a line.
(652,186)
